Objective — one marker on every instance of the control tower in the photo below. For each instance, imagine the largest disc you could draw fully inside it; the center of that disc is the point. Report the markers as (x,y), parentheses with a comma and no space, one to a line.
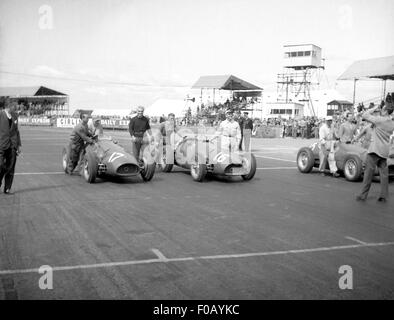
(302,64)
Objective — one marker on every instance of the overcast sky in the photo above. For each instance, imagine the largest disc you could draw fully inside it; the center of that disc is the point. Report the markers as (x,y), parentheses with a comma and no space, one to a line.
(162,47)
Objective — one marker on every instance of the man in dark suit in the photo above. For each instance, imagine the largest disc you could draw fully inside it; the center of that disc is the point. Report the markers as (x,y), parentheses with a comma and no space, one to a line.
(240,121)
(378,150)
(247,130)
(10,144)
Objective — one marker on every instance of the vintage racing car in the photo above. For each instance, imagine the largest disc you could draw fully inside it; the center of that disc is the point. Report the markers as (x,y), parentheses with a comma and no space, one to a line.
(202,155)
(105,157)
(349,158)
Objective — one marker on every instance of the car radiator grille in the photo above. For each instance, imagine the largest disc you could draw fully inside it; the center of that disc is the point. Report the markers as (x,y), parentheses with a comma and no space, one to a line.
(127,169)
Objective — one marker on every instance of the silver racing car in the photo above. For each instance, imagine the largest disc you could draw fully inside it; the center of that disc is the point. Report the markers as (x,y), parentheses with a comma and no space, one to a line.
(202,155)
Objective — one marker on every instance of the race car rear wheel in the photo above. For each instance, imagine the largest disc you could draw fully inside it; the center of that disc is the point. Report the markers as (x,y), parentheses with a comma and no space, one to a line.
(90,168)
(305,160)
(198,172)
(148,171)
(65,157)
(251,164)
(353,168)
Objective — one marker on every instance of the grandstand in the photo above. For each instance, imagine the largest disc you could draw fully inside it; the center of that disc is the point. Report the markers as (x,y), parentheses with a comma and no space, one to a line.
(37,100)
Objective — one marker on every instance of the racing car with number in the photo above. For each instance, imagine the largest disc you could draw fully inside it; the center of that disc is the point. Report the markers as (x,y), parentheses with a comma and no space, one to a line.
(202,155)
(349,158)
(105,157)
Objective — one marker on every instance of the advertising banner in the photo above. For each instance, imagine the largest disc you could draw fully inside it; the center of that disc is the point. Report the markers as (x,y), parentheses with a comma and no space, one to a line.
(28,121)
(67,122)
(114,124)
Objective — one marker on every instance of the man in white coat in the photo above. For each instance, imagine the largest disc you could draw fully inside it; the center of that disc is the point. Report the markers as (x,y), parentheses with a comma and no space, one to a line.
(327,147)
(230,132)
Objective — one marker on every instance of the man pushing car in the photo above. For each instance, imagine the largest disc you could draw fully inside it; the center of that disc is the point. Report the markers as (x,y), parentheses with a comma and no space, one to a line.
(79,136)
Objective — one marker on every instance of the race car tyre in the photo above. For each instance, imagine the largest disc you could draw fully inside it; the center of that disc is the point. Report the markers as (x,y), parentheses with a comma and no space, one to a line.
(165,167)
(90,168)
(149,170)
(305,160)
(252,165)
(198,172)
(353,168)
(65,157)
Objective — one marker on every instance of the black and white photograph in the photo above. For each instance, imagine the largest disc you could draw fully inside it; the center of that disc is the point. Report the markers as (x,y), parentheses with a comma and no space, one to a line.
(196,151)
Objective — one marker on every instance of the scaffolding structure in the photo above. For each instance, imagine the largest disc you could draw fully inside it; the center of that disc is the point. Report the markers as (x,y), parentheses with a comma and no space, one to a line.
(302,72)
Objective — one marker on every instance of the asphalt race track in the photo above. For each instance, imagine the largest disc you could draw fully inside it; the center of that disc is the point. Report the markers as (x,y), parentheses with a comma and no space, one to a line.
(283,235)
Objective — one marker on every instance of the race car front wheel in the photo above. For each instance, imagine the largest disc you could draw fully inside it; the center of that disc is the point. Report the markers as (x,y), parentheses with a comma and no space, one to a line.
(198,172)
(90,168)
(305,160)
(250,163)
(148,171)
(353,168)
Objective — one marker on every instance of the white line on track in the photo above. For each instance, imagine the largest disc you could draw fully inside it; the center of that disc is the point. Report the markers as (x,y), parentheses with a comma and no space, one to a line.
(38,173)
(355,240)
(272,158)
(276,168)
(213,257)
(159,254)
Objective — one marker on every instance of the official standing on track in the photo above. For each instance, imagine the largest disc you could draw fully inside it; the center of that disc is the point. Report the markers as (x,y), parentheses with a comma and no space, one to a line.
(378,151)
(247,131)
(10,144)
(79,136)
(138,126)
(238,118)
(347,130)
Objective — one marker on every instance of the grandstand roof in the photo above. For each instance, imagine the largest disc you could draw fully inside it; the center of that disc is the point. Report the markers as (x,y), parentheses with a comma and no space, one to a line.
(224,82)
(21,92)
(84,111)
(380,68)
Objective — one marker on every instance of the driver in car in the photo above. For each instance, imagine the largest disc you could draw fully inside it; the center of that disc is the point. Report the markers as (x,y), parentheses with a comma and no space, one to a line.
(79,136)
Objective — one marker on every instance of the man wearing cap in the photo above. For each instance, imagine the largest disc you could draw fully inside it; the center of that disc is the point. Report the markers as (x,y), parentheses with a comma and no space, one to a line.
(231,132)
(327,144)
(247,130)
(79,136)
(378,150)
(10,144)
(137,128)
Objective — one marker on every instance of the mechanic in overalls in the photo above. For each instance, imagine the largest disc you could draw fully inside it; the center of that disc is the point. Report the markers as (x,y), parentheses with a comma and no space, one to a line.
(79,136)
